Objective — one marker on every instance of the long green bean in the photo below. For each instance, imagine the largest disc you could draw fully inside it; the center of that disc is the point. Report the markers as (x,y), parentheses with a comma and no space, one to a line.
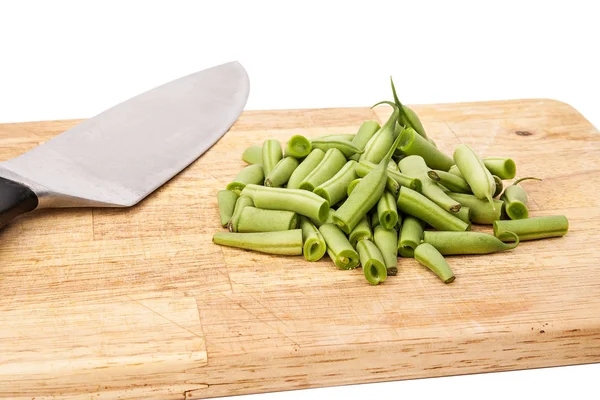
(428,256)
(419,206)
(481,211)
(282,243)
(532,228)
(347,147)
(448,243)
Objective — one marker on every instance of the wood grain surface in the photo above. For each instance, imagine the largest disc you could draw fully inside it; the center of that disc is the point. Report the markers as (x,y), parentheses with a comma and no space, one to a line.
(138,303)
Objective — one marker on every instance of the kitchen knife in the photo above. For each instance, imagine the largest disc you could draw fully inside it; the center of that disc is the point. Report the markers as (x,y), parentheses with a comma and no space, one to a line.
(120,156)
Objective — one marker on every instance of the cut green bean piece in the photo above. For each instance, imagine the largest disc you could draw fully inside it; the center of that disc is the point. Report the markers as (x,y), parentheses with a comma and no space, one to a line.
(281,172)
(372,262)
(475,173)
(455,171)
(300,201)
(253,155)
(347,148)
(428,256)
(364,167)
(498,186)
(333,161)
(298,147)
(515,200)
(464,214)
(503,167)
(352,185)
(387,210)
(328,219)
(361,231)
(532,228)
(393,166)
(226,200)
(419,206)
(255,219)
(481,211)
(271,154)
(314,244)
(306,166)
(282,243)
(386,241)
(450,243)
(241,203)
(407,116)
(415,167)
(364,134)
(339,248)
(335,189)
(252,174)
(411,234)
(412,144)
(452,182)
(365,195)
(382,140)
(337,136)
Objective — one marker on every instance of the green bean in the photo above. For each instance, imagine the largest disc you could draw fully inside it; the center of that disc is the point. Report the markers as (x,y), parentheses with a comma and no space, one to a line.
(339,248)
(271,154)
(300,201)
(364,167)
(481,211)
(515,200)
(392,165)
(253,155)
(335,189)
(241,203)
(464,214)
(450,243)
(352,185)
(386,241)
(333,161)
(372,262)
(382,140)
(314,244)
(415,167)
(226,200)
(532,228)
(417,205)
(412,144)
(428,256)
(298,147)
(498,186)
(455,171)
(282,243)
(255,219)
(250,174)
(411,234)
(454,183)
(328,219)
(374,219)
(475,173)
(365,195)
(281,172)
(361,231)
(306,166)
(347,148)
(387,210)
(338,136)
(430,140)
(503,167)
(407,116)
(365,132)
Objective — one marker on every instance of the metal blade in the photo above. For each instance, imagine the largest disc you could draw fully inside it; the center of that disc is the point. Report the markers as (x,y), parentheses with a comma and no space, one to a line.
(123,154)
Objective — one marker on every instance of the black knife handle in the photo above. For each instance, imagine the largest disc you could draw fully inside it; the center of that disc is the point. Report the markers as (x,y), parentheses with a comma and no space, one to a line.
(15,199)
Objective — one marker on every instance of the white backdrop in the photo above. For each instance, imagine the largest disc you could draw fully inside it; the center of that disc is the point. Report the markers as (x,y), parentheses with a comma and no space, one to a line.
(73,59)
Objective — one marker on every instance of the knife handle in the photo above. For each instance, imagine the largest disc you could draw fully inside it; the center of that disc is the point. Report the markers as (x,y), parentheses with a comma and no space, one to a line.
(15,199)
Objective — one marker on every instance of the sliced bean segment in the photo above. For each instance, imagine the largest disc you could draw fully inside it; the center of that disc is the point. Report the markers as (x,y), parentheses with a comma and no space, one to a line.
(364,167)
(515,200)
(412,144)
(386,241)
(281,172)
(339,248)
(282,243)
(411,234)
(481,211)
(305,168)
(314,243)
(226,200)
(331,163)
(475,173)
(361,231)
(532,228)
(407,116)
(419,206)
(498,186)
(372,262)
(298,147)
(364,134)
(387,210)
(345,146)
(271,154)
(252,155)
(250,174)
(450,243)
(427,255)
(255,219)
(335,189)
(503,167)
(452,182)
(241,203)
(377,147)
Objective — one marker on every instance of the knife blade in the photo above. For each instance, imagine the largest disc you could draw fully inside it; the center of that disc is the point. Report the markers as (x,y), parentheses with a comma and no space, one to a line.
(123,154)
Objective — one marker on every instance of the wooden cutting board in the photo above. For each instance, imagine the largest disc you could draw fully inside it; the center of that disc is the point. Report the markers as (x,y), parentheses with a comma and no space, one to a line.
(138,303)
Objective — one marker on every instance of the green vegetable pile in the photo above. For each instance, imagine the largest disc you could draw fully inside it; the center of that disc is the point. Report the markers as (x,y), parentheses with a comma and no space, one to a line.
(367,198)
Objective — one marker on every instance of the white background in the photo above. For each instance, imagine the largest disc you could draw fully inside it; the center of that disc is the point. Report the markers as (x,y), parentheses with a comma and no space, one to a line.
(74,59)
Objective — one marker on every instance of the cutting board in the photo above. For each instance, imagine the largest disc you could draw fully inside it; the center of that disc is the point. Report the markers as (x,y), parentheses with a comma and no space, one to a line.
(138,303)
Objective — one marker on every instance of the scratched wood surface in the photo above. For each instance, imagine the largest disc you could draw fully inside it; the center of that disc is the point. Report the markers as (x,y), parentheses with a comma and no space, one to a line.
(138,303)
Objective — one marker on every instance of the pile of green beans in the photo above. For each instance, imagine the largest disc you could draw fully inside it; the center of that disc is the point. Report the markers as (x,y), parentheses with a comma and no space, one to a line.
(374,197)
